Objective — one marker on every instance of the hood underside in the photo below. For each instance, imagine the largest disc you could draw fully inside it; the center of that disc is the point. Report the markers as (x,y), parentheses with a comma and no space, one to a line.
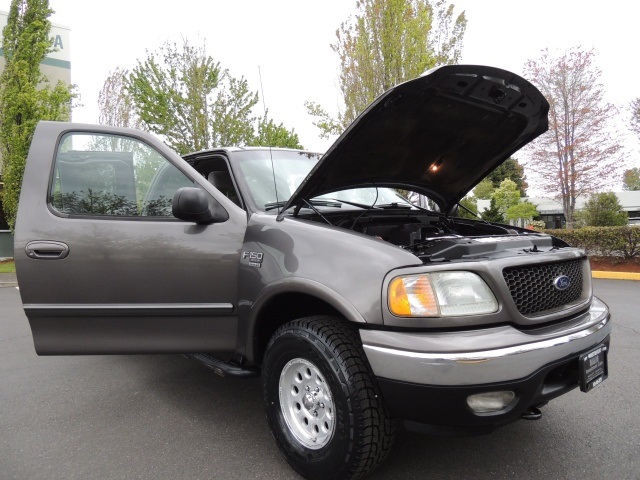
(439,135)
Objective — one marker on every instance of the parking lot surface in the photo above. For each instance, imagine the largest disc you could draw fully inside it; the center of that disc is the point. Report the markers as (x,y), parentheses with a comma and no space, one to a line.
(166,417)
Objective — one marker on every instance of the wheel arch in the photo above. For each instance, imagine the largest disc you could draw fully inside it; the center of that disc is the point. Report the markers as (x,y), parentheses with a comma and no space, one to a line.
(288,301)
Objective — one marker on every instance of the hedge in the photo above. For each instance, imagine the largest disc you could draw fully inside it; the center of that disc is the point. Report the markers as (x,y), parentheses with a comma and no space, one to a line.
(603,241)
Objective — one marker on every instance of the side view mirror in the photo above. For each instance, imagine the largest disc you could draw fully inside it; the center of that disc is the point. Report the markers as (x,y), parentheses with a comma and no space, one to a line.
(195,205)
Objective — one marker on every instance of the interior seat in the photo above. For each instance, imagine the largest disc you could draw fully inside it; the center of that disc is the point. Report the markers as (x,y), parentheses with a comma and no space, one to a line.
(221,179)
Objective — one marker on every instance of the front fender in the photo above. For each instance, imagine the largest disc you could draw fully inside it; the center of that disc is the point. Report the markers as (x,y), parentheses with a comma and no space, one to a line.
(342,269)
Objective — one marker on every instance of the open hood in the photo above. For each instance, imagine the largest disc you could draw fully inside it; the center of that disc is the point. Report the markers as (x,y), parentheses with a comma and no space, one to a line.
(439,135)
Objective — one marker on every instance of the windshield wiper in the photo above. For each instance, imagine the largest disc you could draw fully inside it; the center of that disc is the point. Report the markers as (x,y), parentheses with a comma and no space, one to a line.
(317,203)
(353,204)
(395,205)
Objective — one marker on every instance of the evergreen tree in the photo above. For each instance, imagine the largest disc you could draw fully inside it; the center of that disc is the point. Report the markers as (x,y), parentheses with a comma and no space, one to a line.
(492,214)
(512,170)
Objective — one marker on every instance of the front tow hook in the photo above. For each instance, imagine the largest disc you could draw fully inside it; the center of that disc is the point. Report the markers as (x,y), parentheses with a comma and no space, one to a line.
(531,413)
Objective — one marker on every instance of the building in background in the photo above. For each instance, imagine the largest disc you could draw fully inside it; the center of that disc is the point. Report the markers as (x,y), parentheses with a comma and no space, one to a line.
(552,214)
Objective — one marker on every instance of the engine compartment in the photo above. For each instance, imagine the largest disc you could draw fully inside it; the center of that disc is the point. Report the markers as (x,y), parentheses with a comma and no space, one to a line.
(434,237)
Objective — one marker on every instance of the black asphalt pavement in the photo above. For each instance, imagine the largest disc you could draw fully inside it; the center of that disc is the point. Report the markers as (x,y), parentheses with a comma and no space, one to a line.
(165,417)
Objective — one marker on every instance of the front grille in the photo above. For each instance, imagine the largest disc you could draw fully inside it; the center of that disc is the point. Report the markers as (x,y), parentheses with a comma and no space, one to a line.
(532,286)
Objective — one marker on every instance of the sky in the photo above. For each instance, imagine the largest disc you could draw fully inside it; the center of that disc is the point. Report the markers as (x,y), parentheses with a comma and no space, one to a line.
(290,41)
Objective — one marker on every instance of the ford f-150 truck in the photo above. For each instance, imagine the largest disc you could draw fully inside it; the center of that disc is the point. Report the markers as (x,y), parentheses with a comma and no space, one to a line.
(359,309)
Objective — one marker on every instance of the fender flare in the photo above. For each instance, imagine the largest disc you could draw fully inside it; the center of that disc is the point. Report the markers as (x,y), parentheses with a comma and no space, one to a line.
(249,312)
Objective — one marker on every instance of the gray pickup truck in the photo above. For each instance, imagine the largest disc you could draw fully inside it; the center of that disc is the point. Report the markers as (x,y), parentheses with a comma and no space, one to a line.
(359,309)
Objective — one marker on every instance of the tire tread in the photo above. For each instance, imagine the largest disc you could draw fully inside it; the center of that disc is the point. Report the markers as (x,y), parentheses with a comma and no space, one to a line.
(342,344)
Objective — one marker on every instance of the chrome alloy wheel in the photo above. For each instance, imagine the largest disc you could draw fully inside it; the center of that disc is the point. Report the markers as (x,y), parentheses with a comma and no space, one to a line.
(306,403)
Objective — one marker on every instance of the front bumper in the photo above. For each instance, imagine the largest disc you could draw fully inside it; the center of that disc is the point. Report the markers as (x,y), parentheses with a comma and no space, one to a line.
(427,377)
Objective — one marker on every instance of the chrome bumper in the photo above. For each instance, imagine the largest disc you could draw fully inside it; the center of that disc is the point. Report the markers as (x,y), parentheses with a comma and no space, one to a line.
(501,354)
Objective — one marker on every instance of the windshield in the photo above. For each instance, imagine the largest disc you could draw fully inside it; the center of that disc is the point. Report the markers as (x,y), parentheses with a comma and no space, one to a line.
(290,168)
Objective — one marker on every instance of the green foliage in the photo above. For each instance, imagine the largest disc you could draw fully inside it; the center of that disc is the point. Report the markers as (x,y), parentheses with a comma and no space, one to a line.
(602,210)
(232,119)
(8,267)
(524,210)
(270,134)
(492,214)
(484,190)
(506,199)
(182,94)
(604,241)
(386,43)
(470,203)
(506,196)
(512,170)
(172,91)
(326,123)
(26,96)
(631,179)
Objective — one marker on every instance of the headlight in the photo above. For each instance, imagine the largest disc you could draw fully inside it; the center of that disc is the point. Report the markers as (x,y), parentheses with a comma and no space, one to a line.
(441,294)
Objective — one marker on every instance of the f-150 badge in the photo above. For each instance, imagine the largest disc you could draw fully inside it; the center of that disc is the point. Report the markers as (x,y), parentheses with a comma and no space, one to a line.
(255,258)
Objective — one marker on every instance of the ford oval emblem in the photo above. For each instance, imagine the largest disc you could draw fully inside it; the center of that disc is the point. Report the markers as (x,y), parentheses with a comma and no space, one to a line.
(562,282)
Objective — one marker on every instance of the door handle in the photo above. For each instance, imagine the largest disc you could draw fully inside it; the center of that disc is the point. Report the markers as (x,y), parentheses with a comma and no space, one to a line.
(47,250)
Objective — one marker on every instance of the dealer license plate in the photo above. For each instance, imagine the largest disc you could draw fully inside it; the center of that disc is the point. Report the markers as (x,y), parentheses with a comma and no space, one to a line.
(593,368)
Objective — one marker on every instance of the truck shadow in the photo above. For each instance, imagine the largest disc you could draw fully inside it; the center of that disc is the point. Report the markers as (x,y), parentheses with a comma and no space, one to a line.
(230,411)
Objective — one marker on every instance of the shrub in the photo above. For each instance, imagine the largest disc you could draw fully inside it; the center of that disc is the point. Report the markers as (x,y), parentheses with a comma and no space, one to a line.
(603,241)
(603,210)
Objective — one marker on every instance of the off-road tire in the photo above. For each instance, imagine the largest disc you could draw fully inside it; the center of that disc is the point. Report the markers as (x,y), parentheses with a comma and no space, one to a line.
(363,432)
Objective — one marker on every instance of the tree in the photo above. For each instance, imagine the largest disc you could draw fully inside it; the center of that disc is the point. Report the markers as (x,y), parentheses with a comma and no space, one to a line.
(268,133)
(172,90)
(604,210)
(492,214)
(471,205)
(506,204)
(115,105)
(26,96)
(635,116)
(579,152)
(484,189)
(506,196)
(512,170)
(522,210)
(182,94)
(386,43)
(631,179)
(232,113)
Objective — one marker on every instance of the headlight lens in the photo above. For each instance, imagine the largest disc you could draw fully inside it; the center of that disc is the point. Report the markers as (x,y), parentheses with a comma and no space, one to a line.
(441,294)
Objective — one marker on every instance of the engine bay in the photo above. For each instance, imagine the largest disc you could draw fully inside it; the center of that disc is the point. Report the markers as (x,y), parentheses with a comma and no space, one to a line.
(434,237)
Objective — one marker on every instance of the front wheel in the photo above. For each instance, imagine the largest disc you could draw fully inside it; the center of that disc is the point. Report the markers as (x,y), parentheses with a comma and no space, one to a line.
(323,403)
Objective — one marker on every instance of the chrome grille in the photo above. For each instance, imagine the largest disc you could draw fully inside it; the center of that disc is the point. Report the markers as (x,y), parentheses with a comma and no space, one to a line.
(532,286)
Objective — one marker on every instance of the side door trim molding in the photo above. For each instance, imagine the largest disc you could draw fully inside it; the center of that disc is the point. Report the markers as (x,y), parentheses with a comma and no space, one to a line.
(146,309)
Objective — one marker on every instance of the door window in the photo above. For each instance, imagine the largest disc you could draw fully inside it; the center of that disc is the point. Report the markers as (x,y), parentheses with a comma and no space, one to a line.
(113,176)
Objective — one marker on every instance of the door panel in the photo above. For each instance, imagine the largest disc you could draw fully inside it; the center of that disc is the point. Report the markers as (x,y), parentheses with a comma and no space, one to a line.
(130,278)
